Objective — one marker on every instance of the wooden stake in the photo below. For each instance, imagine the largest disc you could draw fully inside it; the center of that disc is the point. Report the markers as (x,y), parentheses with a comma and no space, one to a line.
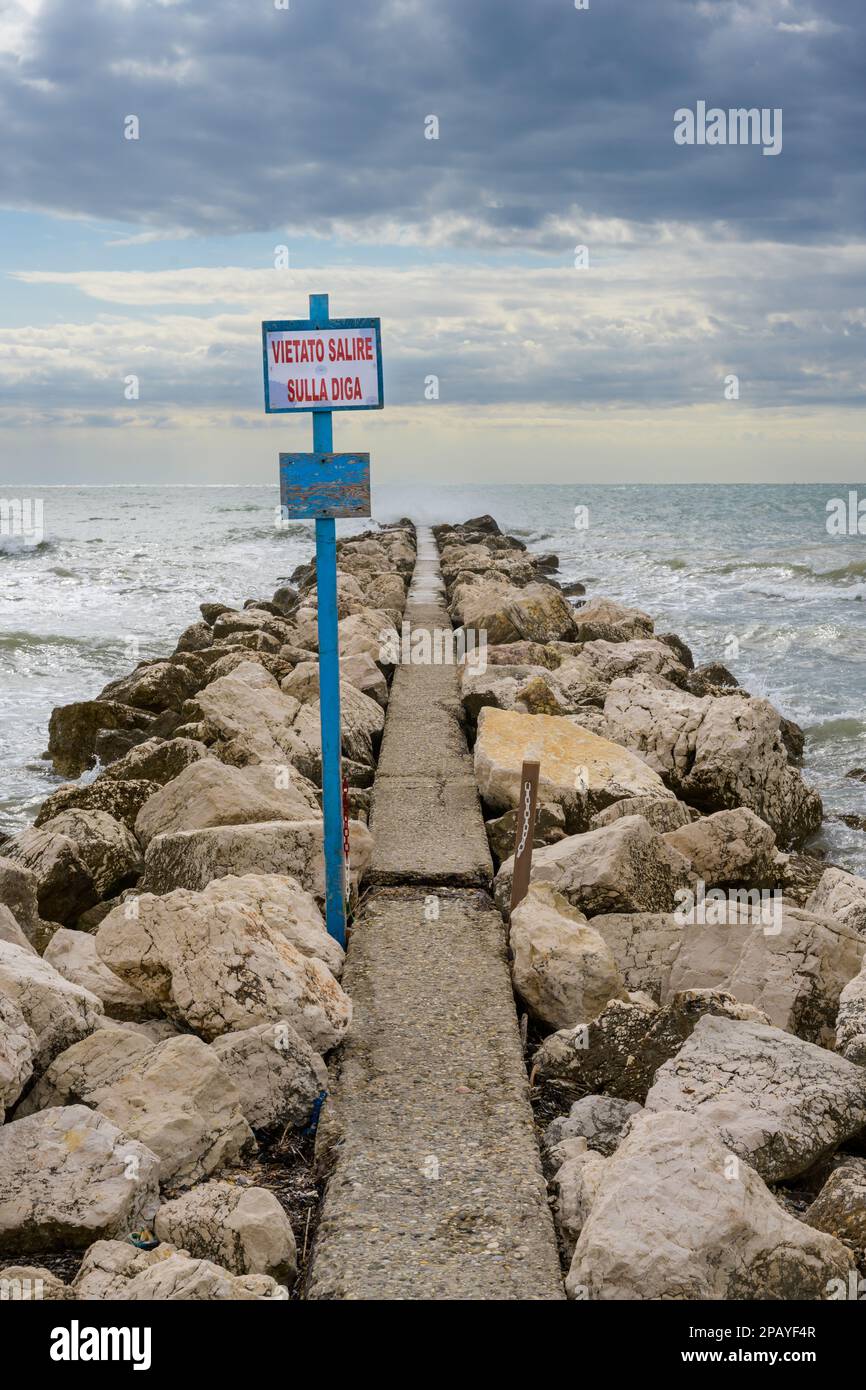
(524,831)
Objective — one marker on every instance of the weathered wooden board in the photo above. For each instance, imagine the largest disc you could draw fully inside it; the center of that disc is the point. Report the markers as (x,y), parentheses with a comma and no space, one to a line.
(324,485)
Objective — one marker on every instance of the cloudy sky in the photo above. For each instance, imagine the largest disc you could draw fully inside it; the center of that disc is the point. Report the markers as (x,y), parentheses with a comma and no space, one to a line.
(305,126)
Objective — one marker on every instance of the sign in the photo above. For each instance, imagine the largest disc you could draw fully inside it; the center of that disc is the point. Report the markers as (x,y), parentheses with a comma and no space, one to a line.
(336,365)
(322,364)
(320,485)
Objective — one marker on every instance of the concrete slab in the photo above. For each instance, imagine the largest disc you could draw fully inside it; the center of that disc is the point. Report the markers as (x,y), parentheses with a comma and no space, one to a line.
(436,1190)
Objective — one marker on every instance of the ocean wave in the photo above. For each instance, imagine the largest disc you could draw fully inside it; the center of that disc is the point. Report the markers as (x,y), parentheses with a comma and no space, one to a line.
(17,545)
(833,730)
(841,574)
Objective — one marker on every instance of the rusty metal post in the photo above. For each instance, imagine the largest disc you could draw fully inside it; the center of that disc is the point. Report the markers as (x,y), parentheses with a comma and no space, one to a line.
(524,831)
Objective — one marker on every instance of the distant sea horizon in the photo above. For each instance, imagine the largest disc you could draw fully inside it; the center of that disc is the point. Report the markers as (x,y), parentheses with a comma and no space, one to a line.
(746,573)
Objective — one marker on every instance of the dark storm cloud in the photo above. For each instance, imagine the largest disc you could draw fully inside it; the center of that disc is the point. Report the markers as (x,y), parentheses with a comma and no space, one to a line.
(312,118)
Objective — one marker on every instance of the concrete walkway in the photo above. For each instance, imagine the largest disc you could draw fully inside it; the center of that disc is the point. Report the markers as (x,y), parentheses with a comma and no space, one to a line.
(435,1188)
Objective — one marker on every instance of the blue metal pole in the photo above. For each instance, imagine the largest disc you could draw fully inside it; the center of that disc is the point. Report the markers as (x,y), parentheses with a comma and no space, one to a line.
(329,679)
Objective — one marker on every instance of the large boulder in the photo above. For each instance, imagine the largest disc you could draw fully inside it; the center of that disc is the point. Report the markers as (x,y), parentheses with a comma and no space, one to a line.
(106,846)
(71,1177)
(671,1219)
(19,892)
(58,1011)
(248,717)
(361,724)
(73,730)
(208,793)
(624,867)
(153,685)
(840,895)
(840,1207)
(218,966)
(279,1076)
(851,1019)
(64,886)
(73,955)
(621,1050)
(728,848)
(372,633)
(715,753)
(243,1229)
(791,965)
(562,969)
(779,1103)
(663,814)
(579,771)
(120,800)
(193,858)
(180,1278)
(288,908)
(175,1097)
(156,760)
(18,1045)
(601,619)
(610,661)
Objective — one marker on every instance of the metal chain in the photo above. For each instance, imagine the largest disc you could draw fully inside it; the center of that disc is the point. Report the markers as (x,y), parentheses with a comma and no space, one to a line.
(527,787)
(346,847)
(346,818)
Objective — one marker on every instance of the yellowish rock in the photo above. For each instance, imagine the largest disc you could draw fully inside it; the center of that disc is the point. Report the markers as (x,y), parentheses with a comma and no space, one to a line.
(580,771)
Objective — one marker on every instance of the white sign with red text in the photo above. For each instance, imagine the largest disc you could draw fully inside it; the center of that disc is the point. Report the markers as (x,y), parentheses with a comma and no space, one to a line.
(324,368)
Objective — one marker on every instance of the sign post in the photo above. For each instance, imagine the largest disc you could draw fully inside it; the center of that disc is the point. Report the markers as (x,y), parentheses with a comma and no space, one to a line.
(321,365)
(524,831)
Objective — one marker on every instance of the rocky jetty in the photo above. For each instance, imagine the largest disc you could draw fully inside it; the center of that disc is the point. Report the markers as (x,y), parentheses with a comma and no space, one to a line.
(691,980)
(168,992)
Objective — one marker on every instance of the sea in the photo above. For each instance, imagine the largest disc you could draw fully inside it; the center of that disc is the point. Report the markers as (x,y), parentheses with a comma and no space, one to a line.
(765,579)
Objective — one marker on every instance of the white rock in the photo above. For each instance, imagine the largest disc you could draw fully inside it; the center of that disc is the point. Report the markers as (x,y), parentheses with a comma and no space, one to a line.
(73,955)
(728,848)
(669,1222)
(193,858)
(624,867)
(562,968)
(793,966)
(180,1278)
(277,1073)
(716,753)
(70,1177)
(58,1011)
(107,847)
(779,1103)
(174,1097)
(288,908)
(217,966)
(249,717)
(17,1047)
(840,895)
(243,1229)
(575,1186)
(209,793)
